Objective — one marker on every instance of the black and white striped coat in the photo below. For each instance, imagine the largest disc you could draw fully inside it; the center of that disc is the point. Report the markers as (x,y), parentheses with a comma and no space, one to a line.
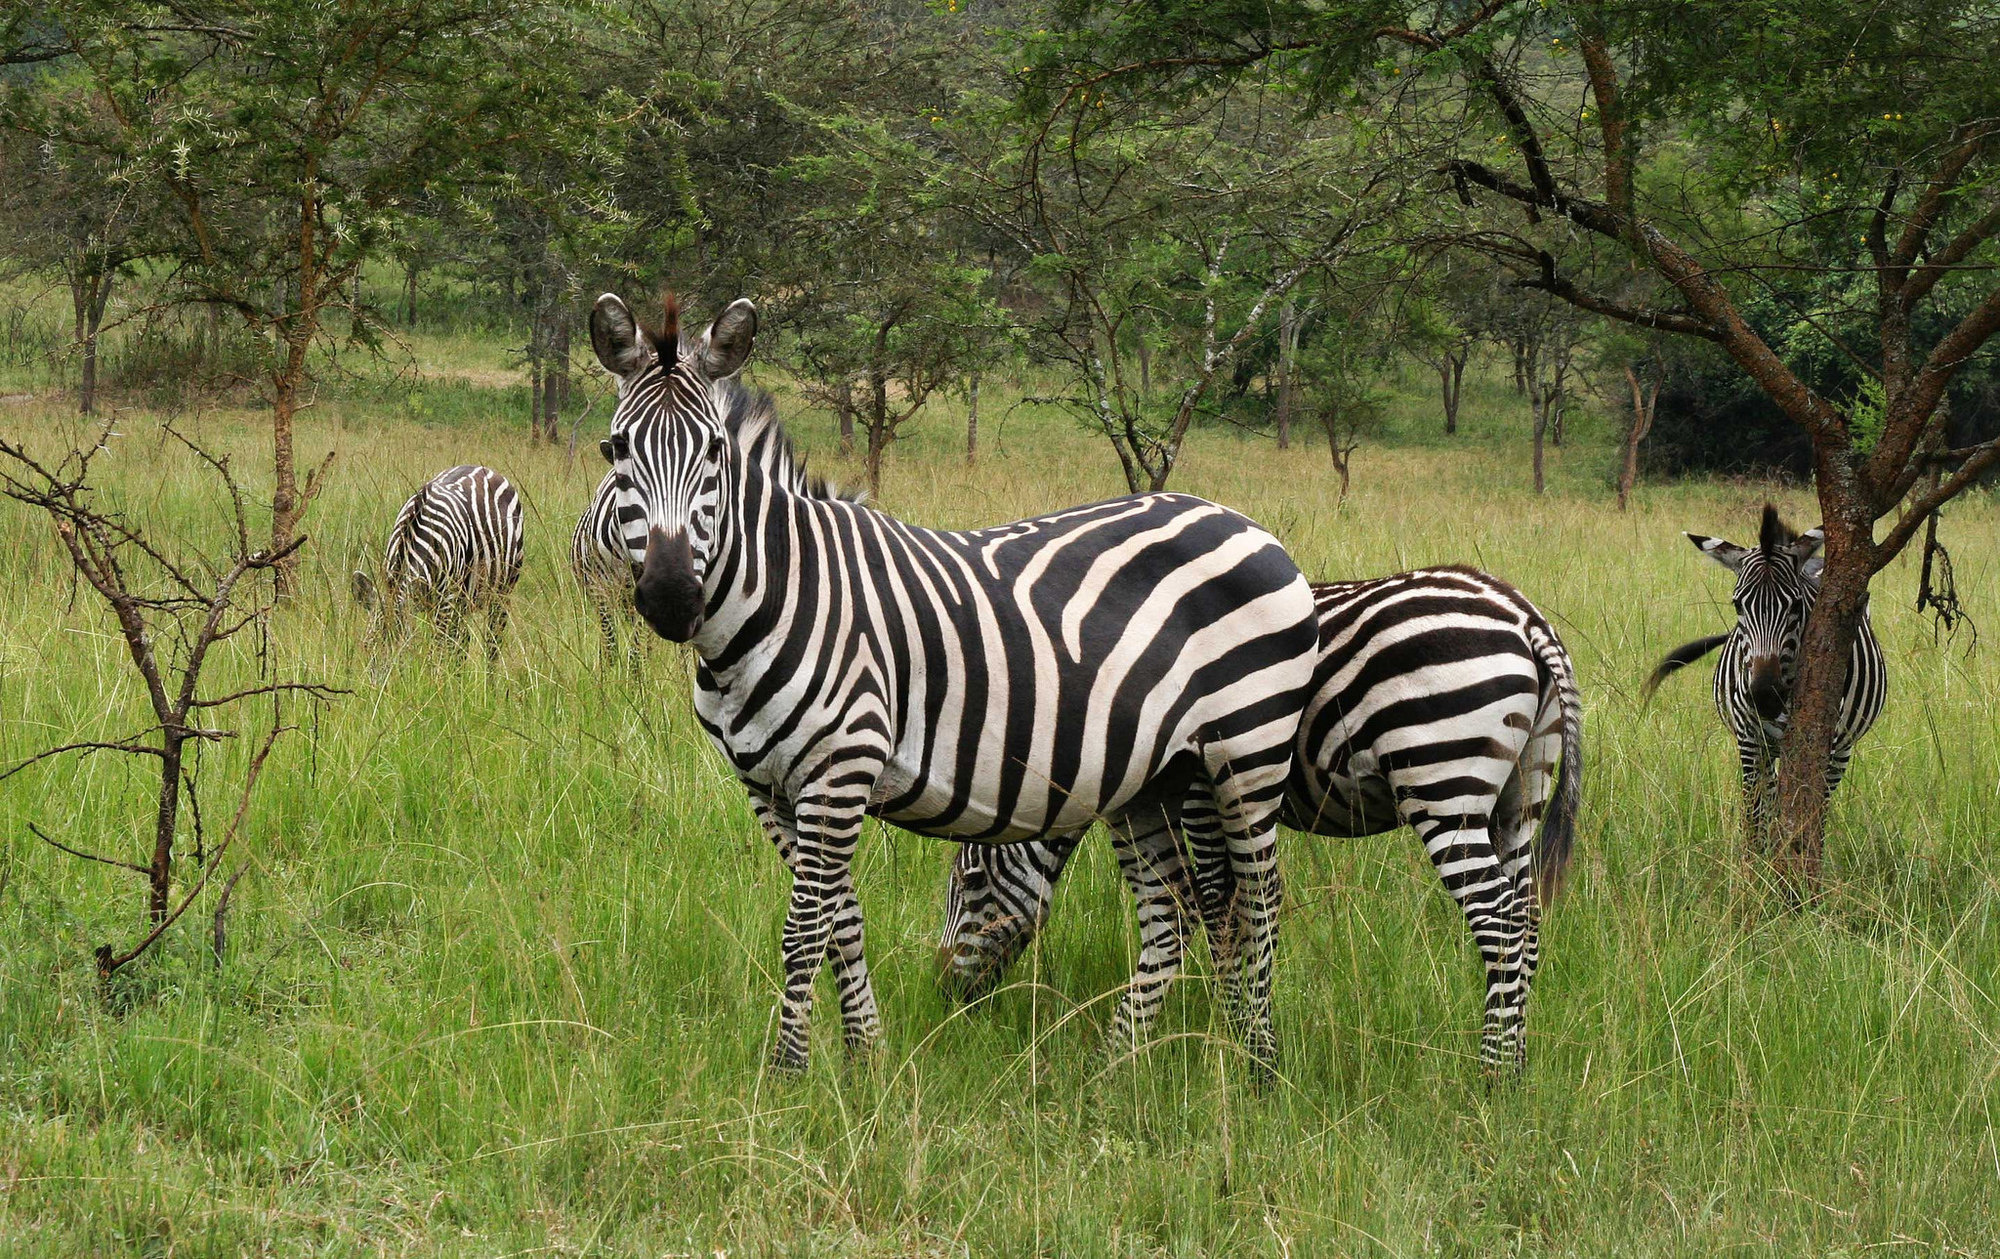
(1777,583)
(456,546)
(994,685)
(600,556)
(1442,700)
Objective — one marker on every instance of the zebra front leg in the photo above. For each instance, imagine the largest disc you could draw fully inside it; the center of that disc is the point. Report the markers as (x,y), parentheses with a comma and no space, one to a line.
(1461,849)
(1755,761)
(861,1023)
(1150,858)
(824,918)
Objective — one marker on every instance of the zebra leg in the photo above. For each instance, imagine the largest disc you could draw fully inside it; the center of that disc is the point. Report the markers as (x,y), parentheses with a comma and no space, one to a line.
(1754,759)
(860,1020)
(997,899)
(1836,766)
(824,917)
(1246,799)
(1214,884)
(1150,857)
(1462,849)
(496,627)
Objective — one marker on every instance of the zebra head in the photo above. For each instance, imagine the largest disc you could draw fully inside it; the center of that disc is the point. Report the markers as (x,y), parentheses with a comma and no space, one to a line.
(669,448)
(1776,583)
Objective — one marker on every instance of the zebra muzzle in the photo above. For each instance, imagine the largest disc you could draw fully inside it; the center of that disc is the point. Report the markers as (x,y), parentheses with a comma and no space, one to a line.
(668,595)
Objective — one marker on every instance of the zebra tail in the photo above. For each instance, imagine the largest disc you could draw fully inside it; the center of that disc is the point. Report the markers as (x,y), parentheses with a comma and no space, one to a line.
(1680,657)
(1558,834)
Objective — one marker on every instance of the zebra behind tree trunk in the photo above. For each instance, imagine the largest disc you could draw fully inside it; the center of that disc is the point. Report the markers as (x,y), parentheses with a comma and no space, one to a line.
(1777,584)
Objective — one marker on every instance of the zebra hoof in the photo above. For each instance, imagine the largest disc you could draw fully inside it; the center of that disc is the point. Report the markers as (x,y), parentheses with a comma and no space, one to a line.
(787,1063)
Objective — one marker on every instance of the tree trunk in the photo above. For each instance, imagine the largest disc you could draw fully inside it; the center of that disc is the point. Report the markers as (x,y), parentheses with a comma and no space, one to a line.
(878,429)
(160,871)
(843,408)
(1287,339)
(972,422)
(90,294)
(1644,401)
(534,387)
(1341,458)
(1538,407)
(285,505)
(1799,836)
(410,270)
(1521,356)
(1451,377)
(555,373)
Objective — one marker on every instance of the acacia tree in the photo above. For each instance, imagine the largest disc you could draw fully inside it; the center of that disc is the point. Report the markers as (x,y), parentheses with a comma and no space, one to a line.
(1782,171)
(287,135)
(1166,245)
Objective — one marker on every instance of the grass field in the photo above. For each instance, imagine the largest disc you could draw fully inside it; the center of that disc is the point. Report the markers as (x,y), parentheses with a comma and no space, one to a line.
(501,979)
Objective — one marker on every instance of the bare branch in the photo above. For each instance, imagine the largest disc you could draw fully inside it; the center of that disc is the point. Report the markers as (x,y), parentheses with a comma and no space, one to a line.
(87,856)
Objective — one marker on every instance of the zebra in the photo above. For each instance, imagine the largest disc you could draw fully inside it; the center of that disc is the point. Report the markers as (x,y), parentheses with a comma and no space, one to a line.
(1442,700)
(456,544)
(1104,662)
(1777,582)
(600,556)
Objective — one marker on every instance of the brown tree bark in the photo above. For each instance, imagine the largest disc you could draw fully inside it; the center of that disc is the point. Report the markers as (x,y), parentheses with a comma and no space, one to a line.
(1451,378)
(972,422)
(1288,336)
(89,294)
(1645,402)
(843,409)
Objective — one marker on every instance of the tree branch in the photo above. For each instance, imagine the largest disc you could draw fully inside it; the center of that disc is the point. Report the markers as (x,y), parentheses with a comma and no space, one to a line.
(87,856)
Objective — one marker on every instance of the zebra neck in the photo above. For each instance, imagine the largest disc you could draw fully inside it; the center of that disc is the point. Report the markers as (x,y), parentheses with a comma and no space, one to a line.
(752,569)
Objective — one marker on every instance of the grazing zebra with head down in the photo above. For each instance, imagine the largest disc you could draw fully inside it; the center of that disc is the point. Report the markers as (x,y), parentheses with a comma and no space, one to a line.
(600,553)
(455,545)
(994,685)
(1442,700)
(1777,582)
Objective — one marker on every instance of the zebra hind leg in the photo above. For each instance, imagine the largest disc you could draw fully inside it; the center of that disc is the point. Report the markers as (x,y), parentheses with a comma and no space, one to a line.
(997,899)
(1150,857)
(1498,915)
(1246,799)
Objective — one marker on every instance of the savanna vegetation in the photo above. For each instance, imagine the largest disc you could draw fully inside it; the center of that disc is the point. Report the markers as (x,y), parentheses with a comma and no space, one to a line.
(432,954)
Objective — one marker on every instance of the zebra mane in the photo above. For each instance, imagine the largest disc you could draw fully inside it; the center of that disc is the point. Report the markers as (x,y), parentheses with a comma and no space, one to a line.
(750,417)
(1774,533)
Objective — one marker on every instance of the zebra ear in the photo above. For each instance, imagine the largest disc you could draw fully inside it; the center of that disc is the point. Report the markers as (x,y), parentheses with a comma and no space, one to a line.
(726,344)
(364,590)
(1807,545)
(1725,553)
(615,335)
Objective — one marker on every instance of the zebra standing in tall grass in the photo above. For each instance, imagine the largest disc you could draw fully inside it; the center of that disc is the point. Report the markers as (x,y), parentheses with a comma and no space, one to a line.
(600,554)
(1442,700)
(456,545)
(995,685)
(1777,582)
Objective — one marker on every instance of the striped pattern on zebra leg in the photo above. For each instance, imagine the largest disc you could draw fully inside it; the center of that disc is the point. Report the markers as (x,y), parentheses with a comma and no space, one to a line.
(1777,583)
(1150,858)
(995,685)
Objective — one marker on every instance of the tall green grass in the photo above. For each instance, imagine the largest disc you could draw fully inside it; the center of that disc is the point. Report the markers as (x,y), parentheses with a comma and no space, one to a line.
(501,978)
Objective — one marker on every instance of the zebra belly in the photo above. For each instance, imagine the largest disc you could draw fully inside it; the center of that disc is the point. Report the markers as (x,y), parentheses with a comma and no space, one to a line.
(1342,807)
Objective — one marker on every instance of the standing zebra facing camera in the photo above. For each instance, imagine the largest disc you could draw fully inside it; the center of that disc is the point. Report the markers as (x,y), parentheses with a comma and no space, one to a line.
(1442,700)
(600,554)
(993,685)
(1777,582)
(455,546)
